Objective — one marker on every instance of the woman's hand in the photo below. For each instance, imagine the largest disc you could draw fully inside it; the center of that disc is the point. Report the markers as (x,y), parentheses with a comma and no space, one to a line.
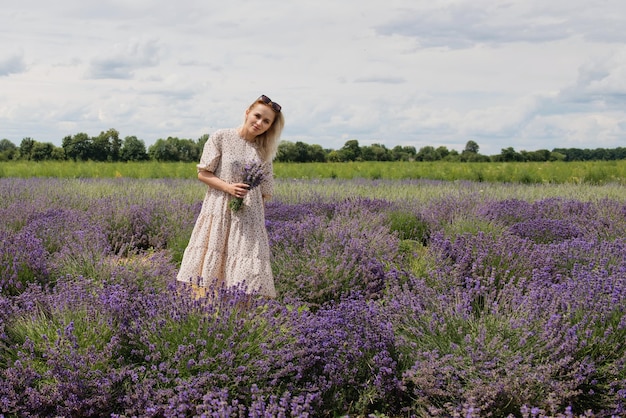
(237,189)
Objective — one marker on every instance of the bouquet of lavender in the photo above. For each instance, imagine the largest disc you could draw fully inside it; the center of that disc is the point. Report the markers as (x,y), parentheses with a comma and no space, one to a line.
(253,173)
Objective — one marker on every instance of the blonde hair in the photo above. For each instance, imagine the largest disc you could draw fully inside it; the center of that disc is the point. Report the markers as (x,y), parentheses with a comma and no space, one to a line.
(268,141)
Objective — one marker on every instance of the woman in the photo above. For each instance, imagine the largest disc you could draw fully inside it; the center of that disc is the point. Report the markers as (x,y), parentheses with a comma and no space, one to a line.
(227,247)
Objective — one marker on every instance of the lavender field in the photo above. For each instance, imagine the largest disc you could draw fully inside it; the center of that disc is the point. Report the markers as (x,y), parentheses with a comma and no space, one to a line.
(396,299)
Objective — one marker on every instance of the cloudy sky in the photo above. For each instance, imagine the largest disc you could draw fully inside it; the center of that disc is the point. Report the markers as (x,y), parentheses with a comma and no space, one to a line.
(527,74)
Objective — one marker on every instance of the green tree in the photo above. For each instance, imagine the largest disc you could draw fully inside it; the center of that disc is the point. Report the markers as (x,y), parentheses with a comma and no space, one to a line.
(41,151)
(201,141)
(367,154)
(376,152)
(443,151)
(539,155)
(470,153)
(619,153)
(317,153)
(163,150)
(116,145)
(8,150)
(333,156)
(471,147)
(133,149)
(428,153)
(107,146)
(78,147)
(188,150)
(599,154)
(58,154)
(400,153)
(509,154)
(453,156)
(571,154)
(351,151)
(286,152)
(100,148)
(26,148)
(175,149)
(301,151)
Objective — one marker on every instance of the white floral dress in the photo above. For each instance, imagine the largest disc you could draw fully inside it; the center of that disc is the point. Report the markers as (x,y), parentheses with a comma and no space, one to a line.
(230,248)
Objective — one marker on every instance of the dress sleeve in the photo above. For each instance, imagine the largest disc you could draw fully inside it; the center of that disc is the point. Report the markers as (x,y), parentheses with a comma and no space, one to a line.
(267,185)
(211,153)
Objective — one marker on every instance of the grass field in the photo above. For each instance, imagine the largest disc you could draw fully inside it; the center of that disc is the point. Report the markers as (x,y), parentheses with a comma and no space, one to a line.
(594,172)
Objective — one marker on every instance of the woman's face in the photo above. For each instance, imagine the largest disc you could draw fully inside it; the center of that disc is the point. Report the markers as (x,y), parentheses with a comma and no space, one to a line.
(259,119)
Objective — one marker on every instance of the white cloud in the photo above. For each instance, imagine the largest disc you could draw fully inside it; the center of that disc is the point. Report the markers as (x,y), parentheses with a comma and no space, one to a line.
(605,78)
(381,80)
(124,59)
(525,73)
(12,63)
(462,24)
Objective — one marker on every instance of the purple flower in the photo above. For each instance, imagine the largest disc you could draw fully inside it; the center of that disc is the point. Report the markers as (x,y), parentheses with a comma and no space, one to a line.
(253,173)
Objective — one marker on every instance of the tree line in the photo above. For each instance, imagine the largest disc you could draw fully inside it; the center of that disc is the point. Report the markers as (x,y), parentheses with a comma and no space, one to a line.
(108,146)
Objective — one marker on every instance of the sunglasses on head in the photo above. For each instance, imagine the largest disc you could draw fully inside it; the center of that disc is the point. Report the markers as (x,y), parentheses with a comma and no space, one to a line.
(275,106)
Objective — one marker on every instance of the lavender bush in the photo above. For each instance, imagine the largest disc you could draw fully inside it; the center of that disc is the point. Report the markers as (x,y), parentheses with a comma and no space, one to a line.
(74,243)
(23,261)
(328,251)
(462,302)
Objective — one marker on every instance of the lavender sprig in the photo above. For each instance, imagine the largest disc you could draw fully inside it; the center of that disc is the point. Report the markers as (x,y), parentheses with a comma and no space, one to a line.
(253,173)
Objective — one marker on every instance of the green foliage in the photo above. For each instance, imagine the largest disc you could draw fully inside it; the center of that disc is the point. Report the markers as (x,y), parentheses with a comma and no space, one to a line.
(67,328)
(78,147)
(409,226)
(596,172)
(93,169)
(8,150)
(428,153)
(108,146)
(133,149)
(471,147)
(175,149)
(470,225)
(300,152)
